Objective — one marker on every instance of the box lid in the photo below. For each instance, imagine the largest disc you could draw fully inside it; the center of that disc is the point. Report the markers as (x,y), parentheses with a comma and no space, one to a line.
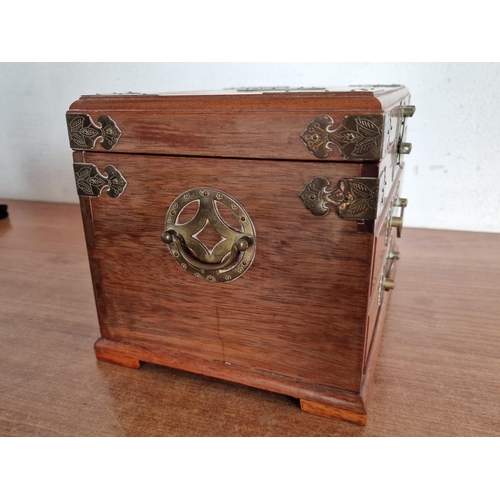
(328,124)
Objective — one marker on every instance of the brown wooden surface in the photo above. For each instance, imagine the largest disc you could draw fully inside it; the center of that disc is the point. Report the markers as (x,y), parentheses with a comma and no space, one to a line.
(331,412)
(240,125)
(438,372)
(299,311)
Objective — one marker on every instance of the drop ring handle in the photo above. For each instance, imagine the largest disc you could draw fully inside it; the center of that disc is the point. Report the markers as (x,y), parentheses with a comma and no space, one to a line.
(242,244)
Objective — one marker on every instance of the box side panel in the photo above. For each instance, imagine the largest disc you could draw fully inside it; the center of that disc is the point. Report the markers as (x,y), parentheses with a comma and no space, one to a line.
(299,311)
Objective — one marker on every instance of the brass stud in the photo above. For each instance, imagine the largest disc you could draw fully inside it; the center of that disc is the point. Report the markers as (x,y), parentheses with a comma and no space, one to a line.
(242,244)
(166,237)
(404,148)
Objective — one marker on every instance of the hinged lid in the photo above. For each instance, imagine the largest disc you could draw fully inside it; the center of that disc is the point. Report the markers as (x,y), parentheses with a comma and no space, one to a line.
(344,124)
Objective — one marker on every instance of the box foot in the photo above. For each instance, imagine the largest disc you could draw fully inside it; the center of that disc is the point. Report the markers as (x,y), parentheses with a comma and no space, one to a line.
(333,412)
(104,352)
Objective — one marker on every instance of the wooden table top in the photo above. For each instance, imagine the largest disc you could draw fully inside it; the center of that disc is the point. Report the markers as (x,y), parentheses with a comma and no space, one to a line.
(438,372)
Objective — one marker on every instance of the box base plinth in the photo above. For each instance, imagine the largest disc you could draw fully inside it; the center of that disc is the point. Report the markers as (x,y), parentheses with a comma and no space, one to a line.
(316,399)
(332,412)
(114,356)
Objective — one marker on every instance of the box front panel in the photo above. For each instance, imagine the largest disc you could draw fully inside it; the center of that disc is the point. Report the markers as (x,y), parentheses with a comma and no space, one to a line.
(298,311)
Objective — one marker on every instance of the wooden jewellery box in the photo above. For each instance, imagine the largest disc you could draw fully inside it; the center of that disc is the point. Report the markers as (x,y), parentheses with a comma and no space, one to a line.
(248,234)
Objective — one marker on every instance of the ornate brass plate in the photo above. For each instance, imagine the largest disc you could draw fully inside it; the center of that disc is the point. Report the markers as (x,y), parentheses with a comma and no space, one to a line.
(83,132)
(90,182)
(357,137)
(354,198)
(231,256)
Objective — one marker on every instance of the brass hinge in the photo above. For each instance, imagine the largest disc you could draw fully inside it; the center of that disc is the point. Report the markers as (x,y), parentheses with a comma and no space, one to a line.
(357,137)
(353,198)
(90,182)
(83,132)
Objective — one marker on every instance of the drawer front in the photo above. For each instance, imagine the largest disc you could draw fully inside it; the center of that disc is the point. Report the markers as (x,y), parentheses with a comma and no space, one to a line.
(299,310)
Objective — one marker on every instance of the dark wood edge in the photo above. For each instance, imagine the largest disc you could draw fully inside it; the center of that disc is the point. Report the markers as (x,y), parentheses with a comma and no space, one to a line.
(88,221)
(121,353)
(95,271)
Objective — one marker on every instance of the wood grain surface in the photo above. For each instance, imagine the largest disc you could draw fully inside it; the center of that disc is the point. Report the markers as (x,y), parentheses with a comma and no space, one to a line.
(300,309)
(438,372)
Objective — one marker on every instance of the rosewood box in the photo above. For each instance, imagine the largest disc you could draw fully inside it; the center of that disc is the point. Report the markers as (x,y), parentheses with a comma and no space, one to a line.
(248,234)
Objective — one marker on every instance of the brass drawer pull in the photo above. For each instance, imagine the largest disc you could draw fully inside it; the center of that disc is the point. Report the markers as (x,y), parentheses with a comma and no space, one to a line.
(404,148)
(397,222)
(217,243)
(388,284)
(394,255)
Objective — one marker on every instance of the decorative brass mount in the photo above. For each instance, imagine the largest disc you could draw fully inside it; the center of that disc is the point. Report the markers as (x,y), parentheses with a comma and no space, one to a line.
(228,259)
(90,182)
(83,132)
(354,198)
(357,137)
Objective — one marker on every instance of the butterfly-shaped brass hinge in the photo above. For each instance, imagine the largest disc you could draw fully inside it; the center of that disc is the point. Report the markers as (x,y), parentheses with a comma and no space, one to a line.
(357,137)
(354,198)
(90,182)
(83,132)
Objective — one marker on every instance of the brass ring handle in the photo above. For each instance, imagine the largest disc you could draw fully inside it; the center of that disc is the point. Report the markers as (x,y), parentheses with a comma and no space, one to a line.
(241,245)
(217,243)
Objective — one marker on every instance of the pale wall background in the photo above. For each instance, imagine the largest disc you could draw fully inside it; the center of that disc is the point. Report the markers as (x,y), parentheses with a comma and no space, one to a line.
(452,176)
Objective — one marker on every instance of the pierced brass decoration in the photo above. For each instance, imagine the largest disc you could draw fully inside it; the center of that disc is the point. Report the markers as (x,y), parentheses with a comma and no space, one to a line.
(354,198)
(231,256)
(357,137)
(90,182)
(83,133)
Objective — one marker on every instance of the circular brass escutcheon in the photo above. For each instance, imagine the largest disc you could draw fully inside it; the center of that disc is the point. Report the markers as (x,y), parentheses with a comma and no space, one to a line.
(224,219)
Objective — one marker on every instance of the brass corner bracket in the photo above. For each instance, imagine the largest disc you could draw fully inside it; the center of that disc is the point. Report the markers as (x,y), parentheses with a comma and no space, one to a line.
(90,182)
(83,132)
(354,198)
(357,137)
